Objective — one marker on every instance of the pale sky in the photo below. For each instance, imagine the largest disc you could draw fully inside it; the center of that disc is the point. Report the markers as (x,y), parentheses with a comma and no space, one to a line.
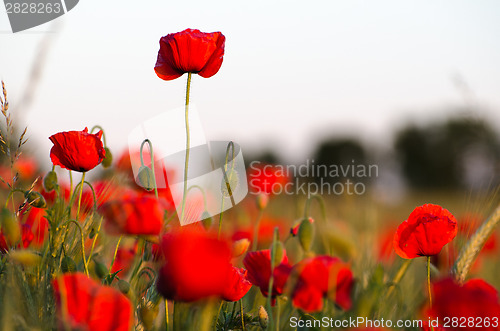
(293,71)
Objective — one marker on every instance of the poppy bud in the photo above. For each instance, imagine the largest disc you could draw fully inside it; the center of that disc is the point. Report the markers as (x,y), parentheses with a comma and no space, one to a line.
(50,181)
(10,226)
(108,158)
(277,250)
(263,317)
(231,180)
(262,201)
(92,233)
(26,258)
(240,247)
(35,199)
(100,270)
(147,314)
(206,220)
(68,265)
(306,234)
(146,178)
(123,286)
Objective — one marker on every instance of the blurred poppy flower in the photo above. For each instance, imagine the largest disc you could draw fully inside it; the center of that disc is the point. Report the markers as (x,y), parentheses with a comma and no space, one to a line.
(258,265)
(196,265)
(322,277)
(384,245)
(469,224)
(4,248)
(26,167)
(237,286)
(137,215)
(267,179)
(190,51)
(266,230)
(51,196)
(90,305)
(123,261)
(476,300)
(425,232)
(35,227)
(77,150)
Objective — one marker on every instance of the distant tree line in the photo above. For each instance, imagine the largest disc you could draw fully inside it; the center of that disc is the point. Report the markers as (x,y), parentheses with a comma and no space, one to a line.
(452,154)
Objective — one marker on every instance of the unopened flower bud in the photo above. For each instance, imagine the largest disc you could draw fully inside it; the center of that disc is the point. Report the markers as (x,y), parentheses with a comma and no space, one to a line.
(123,286)
(10,227)
(277,250)
(26,258)
(306,234)
(262,201)
(68,265)
(100,270)
(50,181)
(263,317)
(108,158)
(146,178)
(92,233)
(35,199)
(240,247)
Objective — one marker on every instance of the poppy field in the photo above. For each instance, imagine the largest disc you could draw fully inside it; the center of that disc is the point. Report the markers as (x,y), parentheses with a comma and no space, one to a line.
(95,244)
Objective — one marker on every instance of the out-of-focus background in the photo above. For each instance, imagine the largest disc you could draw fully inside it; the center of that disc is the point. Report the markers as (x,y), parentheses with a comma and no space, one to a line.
(412,87)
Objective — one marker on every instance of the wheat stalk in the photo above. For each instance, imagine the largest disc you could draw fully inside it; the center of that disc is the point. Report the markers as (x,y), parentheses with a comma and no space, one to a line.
(470,251)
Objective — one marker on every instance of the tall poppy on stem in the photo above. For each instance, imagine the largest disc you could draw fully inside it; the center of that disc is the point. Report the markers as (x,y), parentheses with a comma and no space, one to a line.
(189,51)
(424,233)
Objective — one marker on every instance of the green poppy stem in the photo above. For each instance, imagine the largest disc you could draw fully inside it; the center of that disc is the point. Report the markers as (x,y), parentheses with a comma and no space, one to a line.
(80,196)
(166,315)
(242,316)
(188,141)
(114,255)
(228,181)
(429,279)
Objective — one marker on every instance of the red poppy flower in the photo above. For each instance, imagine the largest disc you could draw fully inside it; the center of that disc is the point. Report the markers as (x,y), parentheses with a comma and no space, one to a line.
(425,232)
(258,265)
(77,150)
(137,215)
(319,278)
(196,265)
(267,179)
(91,306)
(237,286)
(190,51)
(475,300)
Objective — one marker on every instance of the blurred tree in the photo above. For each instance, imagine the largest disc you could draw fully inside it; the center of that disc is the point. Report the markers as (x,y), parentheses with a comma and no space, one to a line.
(336,153)
(457,153)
